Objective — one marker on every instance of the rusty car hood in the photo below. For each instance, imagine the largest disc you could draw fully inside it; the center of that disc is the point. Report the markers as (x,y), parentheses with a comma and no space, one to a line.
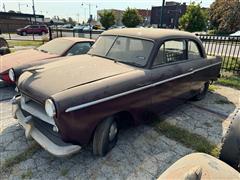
(22,57)
(43,81)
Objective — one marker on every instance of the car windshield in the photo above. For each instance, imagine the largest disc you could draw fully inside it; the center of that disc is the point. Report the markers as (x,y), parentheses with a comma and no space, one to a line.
(26,26)
(56,46)
(127,50)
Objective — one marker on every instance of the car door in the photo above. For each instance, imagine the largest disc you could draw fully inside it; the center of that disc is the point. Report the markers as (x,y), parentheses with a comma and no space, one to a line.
(171,75)
(29,30)
(197,62)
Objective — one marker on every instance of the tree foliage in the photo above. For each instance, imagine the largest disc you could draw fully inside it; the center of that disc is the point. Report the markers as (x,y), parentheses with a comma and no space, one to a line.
(11,11)
(195,19)
(107,19)
(225,15)
(131,18)
(71,21)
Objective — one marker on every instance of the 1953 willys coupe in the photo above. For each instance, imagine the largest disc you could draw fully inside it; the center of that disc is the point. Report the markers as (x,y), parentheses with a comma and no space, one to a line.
(67,104)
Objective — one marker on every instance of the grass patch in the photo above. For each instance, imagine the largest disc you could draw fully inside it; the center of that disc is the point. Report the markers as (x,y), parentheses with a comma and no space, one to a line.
(190,140)
(231,81)
(13,43)
(230,62)
(212,88)
(9,163)
(64,172)
(27,175)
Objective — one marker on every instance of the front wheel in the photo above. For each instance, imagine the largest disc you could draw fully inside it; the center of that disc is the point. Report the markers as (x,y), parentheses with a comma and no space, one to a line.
(202,92)
(24,33)
(105,136)
(42,33)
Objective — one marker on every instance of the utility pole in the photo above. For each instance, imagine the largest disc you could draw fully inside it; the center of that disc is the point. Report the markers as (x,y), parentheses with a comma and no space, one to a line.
(4,7)
(161,15)
(33,7)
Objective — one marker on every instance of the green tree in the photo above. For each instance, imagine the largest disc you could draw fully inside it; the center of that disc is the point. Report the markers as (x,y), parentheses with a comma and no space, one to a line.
(70,21)
(107,19)
(11,11)
(195,19)
(131,18)
(225,15)
(64,20)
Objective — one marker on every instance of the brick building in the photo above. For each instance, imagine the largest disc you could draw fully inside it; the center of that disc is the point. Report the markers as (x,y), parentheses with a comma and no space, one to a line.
(9,22)
(146,15)
(172,11)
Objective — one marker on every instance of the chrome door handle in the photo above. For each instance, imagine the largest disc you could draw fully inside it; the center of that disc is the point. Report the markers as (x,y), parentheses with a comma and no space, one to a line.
(191,69)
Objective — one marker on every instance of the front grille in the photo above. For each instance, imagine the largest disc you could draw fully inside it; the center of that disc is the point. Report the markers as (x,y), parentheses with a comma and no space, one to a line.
(35,109)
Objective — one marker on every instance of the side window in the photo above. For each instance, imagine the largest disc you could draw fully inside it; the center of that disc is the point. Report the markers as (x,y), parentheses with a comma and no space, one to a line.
(171,51)
(34,27)
(79,48)
(193,51)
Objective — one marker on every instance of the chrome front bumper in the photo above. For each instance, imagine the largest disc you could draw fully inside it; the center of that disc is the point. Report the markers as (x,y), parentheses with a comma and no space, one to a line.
(37,135)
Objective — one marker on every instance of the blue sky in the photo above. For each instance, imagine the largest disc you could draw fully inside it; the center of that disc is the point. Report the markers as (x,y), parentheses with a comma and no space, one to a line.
(71,8)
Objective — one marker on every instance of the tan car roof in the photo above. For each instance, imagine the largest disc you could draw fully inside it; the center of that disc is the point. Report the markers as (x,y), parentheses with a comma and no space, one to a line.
(77,39)
(149,33)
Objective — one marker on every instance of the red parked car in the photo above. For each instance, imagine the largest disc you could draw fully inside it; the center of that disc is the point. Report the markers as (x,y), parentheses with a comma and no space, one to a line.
(33,29)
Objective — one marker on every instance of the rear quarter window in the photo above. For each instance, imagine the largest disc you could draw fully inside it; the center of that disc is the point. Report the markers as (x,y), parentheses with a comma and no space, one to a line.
(171,51)
(193,50)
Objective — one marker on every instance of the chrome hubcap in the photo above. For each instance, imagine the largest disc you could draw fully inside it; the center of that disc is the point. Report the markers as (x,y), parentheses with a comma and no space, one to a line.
(113,131)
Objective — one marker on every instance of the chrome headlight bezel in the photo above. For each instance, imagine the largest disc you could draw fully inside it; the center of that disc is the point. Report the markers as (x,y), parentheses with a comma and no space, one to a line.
(50,108)
(11,75)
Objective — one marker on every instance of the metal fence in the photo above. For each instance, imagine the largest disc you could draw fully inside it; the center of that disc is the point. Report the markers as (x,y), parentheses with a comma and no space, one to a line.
(228,47)
(75,33)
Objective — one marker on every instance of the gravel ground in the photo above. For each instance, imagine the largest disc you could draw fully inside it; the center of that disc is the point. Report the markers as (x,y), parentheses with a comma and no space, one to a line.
(141,152)
(210,117)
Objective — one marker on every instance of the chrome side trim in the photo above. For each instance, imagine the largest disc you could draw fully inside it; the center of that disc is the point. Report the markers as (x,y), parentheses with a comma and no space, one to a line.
(74,108)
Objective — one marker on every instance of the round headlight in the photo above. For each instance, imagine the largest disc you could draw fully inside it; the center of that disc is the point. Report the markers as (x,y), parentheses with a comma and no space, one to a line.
(50,108)
(11,75)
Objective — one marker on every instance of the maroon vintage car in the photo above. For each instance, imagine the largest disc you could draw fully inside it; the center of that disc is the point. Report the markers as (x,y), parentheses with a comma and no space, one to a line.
(33,29)
(67,104)
(66,46)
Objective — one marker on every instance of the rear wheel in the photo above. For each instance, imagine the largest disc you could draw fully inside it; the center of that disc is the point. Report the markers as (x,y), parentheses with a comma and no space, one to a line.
(42,33)
(105,136)
(202,92)
(230,151)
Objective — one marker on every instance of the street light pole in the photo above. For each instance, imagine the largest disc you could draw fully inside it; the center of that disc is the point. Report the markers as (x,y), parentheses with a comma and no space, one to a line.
(21,4)
(33,7)
(161,15)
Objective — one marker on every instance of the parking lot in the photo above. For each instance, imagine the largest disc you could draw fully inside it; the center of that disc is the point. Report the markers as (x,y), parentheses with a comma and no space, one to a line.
(141,153)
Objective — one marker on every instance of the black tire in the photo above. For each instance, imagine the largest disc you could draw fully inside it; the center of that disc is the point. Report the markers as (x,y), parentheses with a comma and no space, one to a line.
(4,50)
(230,150)
(102,143)
(202,92)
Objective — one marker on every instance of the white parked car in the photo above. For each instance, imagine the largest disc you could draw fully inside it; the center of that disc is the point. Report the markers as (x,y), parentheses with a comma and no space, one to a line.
(235,34)
(78,27)
(87,28)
